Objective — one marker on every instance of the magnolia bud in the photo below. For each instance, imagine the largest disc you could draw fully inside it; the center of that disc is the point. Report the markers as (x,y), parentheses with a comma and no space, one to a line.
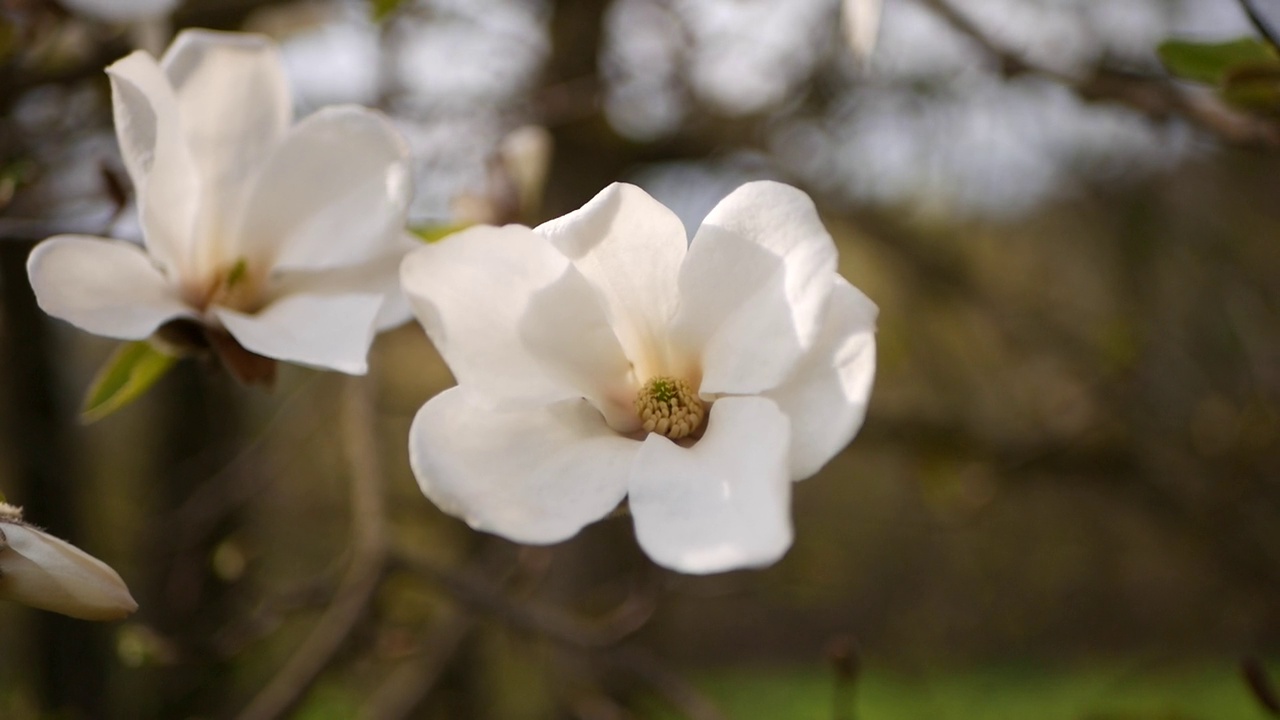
(44,572)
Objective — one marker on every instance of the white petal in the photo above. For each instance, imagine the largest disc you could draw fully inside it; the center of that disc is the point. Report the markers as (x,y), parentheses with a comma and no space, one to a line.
(155,154)
(826,397)
(107,287)
(531,475)
(325,331)
(860,22)
(470,292)
(380,275)
(234,103)
(630,247)
(567,328)
(723,503)
(333,193)
(753,287)
(44,572)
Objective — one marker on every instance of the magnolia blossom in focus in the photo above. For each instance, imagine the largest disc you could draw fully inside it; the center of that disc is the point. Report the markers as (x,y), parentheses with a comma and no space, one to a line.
(603,355)
(262,235)
(44,572)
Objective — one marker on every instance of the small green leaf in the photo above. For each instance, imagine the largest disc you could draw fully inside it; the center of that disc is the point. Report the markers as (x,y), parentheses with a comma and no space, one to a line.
(1211,62)
(436,233)
(382,9)
(130,371)
(1254,87)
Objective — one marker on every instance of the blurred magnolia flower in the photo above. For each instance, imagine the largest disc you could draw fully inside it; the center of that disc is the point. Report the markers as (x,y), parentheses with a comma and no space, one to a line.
(860,21)
(603,355)
(121,10)
(517,176)
(260,235)
(44,572)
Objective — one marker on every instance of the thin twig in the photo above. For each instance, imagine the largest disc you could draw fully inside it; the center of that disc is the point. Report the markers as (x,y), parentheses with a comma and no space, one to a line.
(530,615)
(410,682)
(678,692)
(1154,96)
(365,569)
(599,637)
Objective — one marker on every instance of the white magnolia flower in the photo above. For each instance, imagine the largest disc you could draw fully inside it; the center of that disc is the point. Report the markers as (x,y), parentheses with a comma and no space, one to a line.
(44,572)
(603,355)
(285,236)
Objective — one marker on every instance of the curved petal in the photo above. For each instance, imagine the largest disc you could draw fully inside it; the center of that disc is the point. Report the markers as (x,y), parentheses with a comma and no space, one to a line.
(333,193)
(235,106)
(566,327)
(325,331)
(531,475)
(380,275)
(630,247)
(725,502)
(826,397)
(107,287)
(44,572)
(470,292)
(155,154)
(753,287)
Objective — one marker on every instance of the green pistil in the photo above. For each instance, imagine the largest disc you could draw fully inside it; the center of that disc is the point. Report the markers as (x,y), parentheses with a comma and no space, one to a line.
(237,274)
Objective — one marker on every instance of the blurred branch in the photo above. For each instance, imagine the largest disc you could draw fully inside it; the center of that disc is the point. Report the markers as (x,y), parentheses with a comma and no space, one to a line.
(227,489)
(1157,97)
(410,682)
(678,692)
(1260,685)
(530,615)
(367,562)
(601,636)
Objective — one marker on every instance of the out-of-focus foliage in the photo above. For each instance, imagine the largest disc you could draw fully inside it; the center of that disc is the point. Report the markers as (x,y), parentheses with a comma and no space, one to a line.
(1100,692)
(1246,71)
(382,9)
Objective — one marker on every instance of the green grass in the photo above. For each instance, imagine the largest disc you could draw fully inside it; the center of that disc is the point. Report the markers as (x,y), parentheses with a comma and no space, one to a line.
(1112,692)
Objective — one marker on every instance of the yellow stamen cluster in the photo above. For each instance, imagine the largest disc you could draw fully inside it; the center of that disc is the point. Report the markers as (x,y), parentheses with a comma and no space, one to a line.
(669,407)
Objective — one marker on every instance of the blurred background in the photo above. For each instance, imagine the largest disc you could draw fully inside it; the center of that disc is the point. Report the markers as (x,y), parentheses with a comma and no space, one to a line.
(1065,501)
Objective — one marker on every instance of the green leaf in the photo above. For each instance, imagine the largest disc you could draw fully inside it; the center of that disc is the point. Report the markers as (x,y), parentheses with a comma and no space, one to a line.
(130,371)
(1211,62)
(436,233)
(1254,87)
(382,9)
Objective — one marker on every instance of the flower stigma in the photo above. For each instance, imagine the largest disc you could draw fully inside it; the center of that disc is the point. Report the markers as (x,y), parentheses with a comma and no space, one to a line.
(669,407)
(233,288)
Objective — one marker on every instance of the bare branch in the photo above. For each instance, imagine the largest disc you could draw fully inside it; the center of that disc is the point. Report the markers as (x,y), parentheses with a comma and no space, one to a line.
(600,636)
(410,682)
(1156,97)
(365,568)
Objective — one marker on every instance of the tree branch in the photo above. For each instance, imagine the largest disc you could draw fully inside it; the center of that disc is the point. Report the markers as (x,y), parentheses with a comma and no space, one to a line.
(599,637)
(1156,97)
(364,571)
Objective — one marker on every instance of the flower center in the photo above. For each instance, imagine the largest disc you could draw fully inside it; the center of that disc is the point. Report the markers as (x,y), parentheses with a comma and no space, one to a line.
(669,407)
(233,288)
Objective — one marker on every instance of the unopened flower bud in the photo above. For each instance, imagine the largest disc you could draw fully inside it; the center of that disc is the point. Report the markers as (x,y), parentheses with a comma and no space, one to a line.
(44,572)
